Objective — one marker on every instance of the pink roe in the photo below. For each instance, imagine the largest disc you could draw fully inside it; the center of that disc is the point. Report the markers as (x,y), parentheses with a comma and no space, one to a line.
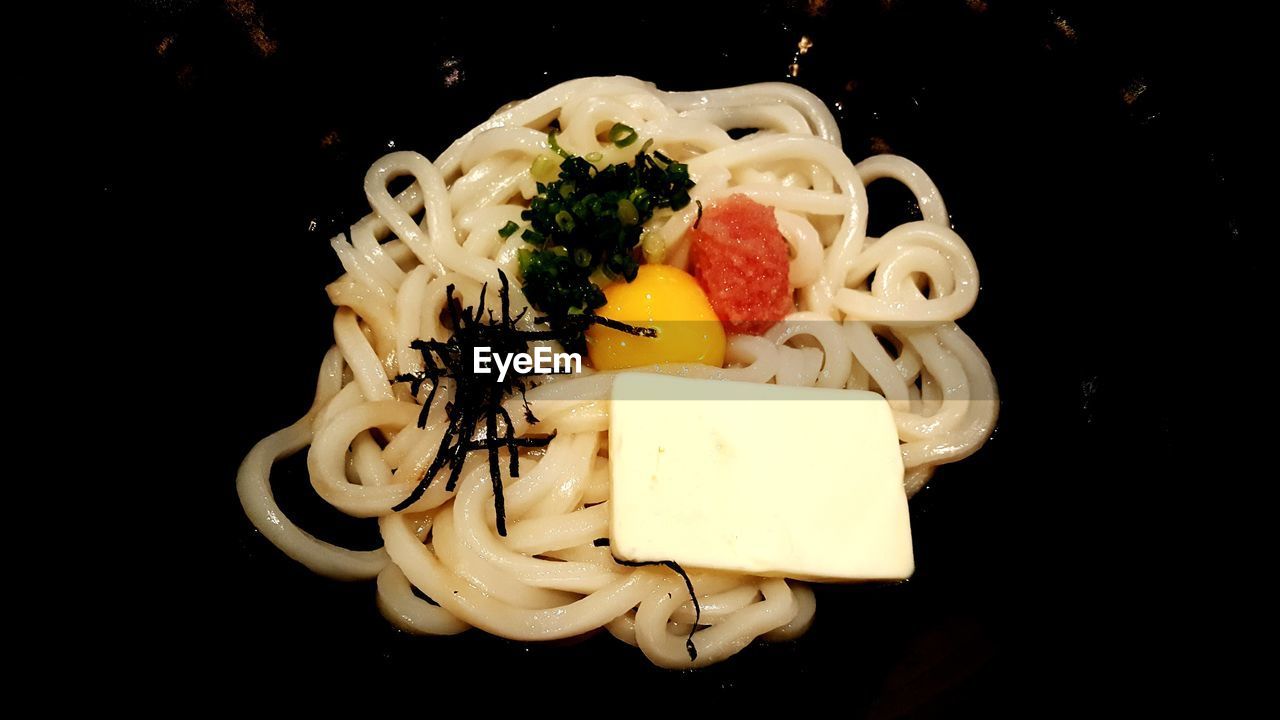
(740,258)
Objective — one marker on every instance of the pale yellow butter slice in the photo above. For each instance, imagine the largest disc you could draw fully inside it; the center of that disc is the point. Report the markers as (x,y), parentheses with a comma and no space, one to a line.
(758,479)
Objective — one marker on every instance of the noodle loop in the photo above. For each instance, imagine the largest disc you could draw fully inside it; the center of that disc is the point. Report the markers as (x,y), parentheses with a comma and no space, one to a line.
(871,313)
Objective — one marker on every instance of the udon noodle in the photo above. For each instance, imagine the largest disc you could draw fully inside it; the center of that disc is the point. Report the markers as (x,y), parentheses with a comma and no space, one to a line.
(872,313)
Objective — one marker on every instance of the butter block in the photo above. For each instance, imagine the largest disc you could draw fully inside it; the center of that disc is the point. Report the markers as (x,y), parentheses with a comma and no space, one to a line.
(759,479)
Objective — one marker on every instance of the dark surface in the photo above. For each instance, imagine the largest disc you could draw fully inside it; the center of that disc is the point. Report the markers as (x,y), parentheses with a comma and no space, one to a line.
(1082,152)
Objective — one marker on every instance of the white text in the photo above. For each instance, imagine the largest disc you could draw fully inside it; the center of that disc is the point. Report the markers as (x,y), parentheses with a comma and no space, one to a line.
(542,362)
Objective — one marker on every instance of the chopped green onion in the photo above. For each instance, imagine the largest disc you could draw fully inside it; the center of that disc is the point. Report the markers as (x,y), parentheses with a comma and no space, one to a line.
(627,214)
(653,246)
(545,168)
(509,229)
(595,157)
(587,222)
(555,145)
(622,135)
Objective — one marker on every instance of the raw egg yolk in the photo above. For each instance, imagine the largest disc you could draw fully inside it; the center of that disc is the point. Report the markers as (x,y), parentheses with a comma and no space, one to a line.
(665,298)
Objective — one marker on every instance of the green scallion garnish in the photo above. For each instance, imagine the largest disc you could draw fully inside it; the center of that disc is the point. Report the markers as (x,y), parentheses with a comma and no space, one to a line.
(544,168)
(551,140)
(622,135)
(589,219)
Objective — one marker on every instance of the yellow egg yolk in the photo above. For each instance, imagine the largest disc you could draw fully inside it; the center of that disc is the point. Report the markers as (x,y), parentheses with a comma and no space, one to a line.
(665,298)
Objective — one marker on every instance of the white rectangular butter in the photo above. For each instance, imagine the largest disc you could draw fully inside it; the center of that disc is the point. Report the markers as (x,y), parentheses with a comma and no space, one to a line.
(758,479)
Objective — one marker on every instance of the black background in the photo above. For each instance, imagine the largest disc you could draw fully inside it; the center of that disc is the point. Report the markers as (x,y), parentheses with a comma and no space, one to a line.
(1084,152)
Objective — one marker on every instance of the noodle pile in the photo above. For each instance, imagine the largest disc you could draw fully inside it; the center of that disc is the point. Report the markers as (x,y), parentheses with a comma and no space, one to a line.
(873,313)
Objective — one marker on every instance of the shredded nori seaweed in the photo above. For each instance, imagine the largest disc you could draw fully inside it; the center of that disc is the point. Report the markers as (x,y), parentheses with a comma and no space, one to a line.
(674,567)
(479,396)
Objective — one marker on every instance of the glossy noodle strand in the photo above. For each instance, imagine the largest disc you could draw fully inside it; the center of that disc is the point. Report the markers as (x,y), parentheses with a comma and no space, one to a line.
(872,313)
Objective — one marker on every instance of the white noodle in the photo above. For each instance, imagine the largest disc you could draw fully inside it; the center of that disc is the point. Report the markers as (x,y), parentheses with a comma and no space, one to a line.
(546,579)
